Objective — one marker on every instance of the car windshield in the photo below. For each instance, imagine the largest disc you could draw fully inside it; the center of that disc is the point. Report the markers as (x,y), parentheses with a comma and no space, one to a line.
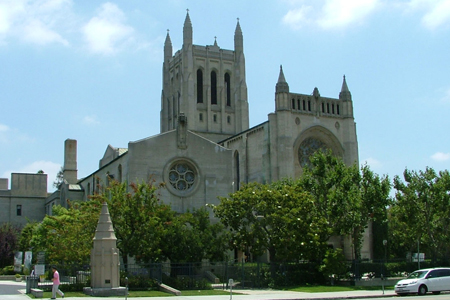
(417,274)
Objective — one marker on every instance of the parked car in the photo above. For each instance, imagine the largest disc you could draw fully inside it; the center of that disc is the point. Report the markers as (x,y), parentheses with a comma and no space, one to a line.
(433,280)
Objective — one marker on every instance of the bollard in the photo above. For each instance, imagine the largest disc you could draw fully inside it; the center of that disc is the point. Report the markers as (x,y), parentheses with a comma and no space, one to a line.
(230,283)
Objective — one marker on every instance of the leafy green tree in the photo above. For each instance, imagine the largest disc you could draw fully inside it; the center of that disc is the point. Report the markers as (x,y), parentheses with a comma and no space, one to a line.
(334,265)
(421,211)
(139,219)
(67,236)
(26,236)
(9,235)
(59,178)
(191,237)
(278,217)
(345,196)
(151,231)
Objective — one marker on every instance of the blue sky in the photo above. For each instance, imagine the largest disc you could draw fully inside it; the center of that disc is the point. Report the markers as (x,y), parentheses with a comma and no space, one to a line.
(91,71)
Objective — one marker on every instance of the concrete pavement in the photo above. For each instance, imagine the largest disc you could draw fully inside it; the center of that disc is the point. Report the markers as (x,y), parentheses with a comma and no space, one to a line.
(10,290)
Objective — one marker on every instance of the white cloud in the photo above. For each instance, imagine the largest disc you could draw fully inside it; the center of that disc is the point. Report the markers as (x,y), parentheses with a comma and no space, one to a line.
(446,97)
(49,168)
(329,14)
(34,21)
(296,17)
(37,32)
(3,128)
(440,156)
(90,120)
(107,33)
(373,163)
(340,13)
(436,12)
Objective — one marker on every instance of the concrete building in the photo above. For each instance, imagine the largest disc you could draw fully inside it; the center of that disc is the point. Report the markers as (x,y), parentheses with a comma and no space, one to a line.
(205,148)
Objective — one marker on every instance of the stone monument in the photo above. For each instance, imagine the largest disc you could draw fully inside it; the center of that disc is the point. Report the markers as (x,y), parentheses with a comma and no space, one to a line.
(105,265)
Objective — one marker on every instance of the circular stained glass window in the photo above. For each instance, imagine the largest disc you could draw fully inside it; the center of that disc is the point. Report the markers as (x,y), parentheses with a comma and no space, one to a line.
(307,148)
(181,176)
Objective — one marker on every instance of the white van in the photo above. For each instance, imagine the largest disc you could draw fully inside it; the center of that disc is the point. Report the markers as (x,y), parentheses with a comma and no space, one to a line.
(432,280)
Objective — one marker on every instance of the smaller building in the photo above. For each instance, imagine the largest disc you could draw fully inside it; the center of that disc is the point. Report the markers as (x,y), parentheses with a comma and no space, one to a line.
(25,201)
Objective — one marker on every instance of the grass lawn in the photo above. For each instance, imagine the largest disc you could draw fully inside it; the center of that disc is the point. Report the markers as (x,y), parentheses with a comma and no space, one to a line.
(145,294)
(303,289)
(335,288)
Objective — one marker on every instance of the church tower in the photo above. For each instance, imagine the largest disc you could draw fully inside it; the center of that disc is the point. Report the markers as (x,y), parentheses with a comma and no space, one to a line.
(207,84)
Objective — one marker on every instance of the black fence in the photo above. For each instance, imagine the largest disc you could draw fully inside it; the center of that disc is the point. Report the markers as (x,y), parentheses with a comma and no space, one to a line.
(72,277)
(208,275)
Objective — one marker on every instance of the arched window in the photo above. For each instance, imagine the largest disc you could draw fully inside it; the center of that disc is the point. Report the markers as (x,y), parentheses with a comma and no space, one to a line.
(199,86)
(228,88)
(213,87)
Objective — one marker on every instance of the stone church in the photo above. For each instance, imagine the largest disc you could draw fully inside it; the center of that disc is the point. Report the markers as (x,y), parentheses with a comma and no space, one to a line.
(205,147)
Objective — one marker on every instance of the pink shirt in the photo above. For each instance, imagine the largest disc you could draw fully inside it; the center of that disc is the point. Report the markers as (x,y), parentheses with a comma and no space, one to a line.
(56,278)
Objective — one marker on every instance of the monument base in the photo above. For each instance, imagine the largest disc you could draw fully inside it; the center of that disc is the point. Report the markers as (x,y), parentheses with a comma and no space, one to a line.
(105,292)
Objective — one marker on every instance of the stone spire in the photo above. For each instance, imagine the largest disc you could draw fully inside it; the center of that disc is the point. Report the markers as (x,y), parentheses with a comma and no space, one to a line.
(187,31)
(345,92)
(105,265)
(282,86)
(167,47)
(238,38)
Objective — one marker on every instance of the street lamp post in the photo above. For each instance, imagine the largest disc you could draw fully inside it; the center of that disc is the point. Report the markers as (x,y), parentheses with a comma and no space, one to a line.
(385,261)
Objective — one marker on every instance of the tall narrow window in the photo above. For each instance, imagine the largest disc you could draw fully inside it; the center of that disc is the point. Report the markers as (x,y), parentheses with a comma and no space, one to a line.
(332,109)
(119,171)
(328,108)
(323,107)
(199,86)
(19,210)
(309,105)
(293,104)
(213,87)
(228,88)
(298,104)
(304,105)
(337,109)
(237,177)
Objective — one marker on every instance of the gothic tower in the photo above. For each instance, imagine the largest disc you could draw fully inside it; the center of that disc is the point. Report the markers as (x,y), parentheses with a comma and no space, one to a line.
(207,84)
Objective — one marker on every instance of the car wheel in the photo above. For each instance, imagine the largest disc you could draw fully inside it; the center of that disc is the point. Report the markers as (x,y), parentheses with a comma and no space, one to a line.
(422,290)
(436,293)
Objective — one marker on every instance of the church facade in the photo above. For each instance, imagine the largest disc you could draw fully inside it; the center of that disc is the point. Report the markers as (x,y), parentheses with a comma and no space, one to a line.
(205,148)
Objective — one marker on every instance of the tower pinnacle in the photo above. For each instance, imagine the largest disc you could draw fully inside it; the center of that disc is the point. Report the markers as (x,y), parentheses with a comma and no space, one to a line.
(345,92)
(282,86)
(187,30)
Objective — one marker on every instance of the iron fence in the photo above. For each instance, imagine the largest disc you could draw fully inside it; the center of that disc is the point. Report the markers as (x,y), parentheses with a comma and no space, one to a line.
(207,275)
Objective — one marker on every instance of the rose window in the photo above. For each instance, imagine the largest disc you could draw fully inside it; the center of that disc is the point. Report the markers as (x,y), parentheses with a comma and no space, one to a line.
(181,176)
(307,148)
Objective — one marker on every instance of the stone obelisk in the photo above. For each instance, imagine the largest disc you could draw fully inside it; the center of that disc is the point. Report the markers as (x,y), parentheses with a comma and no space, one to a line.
(105,264)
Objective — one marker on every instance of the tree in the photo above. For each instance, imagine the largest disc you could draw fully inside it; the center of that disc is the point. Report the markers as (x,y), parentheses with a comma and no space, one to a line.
(9,235)
(59,178)
(139,219)
(191,237)
(26,235)
(421,211)
(347,198)
(279,218)
(334,265)
(67,236)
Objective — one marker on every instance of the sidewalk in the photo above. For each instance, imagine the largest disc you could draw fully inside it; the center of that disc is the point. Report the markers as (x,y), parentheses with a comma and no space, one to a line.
(243,295)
